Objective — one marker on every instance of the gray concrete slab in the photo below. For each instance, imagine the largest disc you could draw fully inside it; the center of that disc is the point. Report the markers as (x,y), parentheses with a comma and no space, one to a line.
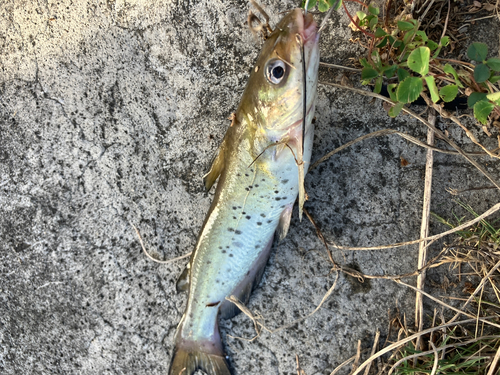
(110,114)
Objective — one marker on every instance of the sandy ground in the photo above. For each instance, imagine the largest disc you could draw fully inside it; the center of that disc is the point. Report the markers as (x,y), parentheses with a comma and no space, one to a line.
(110,112)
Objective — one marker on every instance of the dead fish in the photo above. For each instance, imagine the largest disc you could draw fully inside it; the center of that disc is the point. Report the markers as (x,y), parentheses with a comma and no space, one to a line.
(258,170)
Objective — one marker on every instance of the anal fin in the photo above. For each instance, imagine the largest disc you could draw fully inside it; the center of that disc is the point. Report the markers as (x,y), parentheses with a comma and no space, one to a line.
(182,284)
(243,291)
(284,223)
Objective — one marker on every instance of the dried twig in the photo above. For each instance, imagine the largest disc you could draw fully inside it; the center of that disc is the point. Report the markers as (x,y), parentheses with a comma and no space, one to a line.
(418,117)
(430,239)
(424,229)
(154,259)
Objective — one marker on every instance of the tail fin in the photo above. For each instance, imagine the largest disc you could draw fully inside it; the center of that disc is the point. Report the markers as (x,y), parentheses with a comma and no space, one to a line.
(186,362)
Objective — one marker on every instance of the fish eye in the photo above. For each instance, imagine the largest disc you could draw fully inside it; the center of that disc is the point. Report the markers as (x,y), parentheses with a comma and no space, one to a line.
(275,71)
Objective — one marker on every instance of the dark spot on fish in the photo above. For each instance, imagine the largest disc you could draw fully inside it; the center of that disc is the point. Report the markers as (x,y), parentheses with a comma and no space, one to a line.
(251,170)
(237,244)
(283,197)
(237,231)
(234,217)
(276,192)
(212,304)
(250,186)
(243,213)
(262,196)
(217,281)
(263,179)
(284,181)
(269,221)
(259,223)
(263,215)
(248,273)
(283,206)
(246,174)
(247,189)
(227,247)
(257,246)
(278,198)
(209,262)
(230,255)
(230,229)
(239,175)
(220,247)
(234,207)
(256,185)
(239,206)
(248,217)
(223,251)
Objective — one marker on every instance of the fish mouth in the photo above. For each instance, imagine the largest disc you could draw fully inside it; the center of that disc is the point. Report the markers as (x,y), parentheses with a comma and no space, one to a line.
(307,27)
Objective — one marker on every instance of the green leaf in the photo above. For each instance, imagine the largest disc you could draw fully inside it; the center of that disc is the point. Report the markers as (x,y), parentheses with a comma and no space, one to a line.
(408,36)
(445,40)
(361,15)
(402,74)
(376,59)
(495,79)
(405,26)
(422,35)
(373,9)
(365,63)
(432,45)
(494,64)
(369,74)
(310,5)
(482,110)
(392,93)
(380,32)
(378,85)
(373,22)
(475,97)
(418,61)
(477,51)
(390,70)
(323,5)
(494,97)
(394,111)
(409,90)
(382,44)
(338,2)
(448,93)
(450,70)
(431,84)
(481,73)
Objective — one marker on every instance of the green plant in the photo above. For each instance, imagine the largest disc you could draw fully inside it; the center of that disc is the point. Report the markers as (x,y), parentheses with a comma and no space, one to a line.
(404,57)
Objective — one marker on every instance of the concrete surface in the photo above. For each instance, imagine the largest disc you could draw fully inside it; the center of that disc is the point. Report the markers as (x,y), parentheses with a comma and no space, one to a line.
(110,114)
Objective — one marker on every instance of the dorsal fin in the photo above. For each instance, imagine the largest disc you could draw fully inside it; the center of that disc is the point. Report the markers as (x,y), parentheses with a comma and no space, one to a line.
(216,168)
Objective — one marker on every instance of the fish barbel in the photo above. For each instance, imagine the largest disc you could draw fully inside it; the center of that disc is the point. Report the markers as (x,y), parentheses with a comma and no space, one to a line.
(258,184)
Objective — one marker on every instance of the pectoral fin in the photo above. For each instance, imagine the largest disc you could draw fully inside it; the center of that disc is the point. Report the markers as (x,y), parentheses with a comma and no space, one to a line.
(216,168)
(284,223)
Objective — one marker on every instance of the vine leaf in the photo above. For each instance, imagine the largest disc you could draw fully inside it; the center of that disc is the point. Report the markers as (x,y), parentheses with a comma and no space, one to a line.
(448,93)
(482,110)
(409,90)
(418,61)
(477,51)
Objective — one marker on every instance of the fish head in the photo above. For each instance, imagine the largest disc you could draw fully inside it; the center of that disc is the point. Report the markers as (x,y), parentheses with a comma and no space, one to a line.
(274,97)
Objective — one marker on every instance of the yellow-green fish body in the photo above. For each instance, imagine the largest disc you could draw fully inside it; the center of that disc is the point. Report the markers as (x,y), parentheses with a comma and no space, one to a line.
(258,185)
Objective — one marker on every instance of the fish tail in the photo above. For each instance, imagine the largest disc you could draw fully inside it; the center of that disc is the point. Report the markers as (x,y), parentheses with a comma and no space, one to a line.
(190,356)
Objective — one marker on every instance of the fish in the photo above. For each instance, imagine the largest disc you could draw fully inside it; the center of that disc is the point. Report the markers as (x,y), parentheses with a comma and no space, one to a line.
(257,166)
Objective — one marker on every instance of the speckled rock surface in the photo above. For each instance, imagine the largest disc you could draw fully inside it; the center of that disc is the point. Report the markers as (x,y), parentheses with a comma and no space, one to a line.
(110,112)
